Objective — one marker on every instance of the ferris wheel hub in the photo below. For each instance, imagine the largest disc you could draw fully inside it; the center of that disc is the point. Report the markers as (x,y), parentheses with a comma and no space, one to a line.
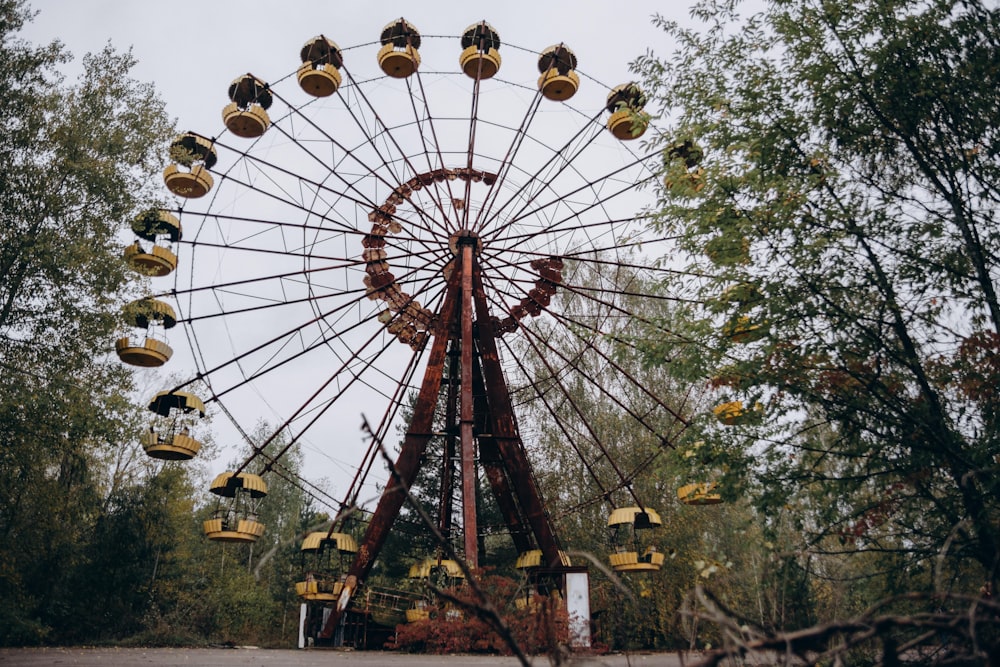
(464,237)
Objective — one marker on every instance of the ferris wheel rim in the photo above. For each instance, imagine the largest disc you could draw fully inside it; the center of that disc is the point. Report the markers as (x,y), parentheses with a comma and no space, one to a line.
(205,372)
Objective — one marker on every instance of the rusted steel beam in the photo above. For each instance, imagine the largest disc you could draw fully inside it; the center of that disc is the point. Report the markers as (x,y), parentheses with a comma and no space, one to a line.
(408,462)
(508,439)
(470,526)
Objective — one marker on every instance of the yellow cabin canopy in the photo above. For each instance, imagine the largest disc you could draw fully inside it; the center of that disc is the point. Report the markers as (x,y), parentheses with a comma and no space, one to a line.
(343,542)
(557,57)
(626,96)
(699,493)
(190,148)
(482,36)
(186,402)
(228,483)
(687,151)
(322,51)
(637,516)
(247,90)
(142,312)
(400,33)
(154,223)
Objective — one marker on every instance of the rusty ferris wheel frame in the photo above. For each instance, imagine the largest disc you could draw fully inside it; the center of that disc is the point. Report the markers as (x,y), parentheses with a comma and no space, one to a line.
(383,218)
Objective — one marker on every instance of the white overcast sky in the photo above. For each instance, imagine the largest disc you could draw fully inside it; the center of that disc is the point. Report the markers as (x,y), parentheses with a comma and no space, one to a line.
(192,49)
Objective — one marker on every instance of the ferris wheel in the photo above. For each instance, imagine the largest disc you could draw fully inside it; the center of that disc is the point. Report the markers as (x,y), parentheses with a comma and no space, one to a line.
(415,225)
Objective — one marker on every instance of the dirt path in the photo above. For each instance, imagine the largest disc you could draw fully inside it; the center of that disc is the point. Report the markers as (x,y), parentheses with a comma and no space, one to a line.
(169,657)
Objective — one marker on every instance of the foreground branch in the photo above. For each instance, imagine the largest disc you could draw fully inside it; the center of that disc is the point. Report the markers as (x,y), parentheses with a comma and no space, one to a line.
(960,630)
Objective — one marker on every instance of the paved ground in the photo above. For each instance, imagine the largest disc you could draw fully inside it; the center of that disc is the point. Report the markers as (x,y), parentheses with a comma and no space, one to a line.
(166,657)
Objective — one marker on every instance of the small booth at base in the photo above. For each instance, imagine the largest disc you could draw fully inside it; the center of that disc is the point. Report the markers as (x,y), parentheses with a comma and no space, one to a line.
(574,583)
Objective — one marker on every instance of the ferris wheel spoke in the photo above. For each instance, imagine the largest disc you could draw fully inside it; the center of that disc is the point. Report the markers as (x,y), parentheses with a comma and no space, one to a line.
(284,336)
(319,189)
(513,241)
(393,406)
(178,292)
(599,202)
(384,130)
(275,222)
(430,152)
(584,290)
(488,215)
(550,171)
(354,374)
(369,140)
(552,236)
(329,195)
(427,216)
(300,275)
(617,368)
(590,256)
(316,187)
(582,421)
(310,191)
(434,156)
(617,290)
(586,256)
(311,489)
(625,483)
(272,303)
(594,296)
(617,234)
(624,375)
(344,262)
(345,226)
(633,314)
(546,172)
(517,277)
(506,162)
(471,152)
(609,366)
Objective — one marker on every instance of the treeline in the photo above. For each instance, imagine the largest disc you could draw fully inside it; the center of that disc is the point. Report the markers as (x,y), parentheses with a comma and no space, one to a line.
(97,542)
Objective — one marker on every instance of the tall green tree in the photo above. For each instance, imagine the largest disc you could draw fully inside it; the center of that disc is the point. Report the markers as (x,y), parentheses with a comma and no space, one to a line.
(79,161)
(133,561)
(831,169)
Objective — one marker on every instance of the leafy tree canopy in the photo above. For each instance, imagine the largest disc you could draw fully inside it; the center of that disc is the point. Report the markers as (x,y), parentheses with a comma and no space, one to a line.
(79,161)
(831,168)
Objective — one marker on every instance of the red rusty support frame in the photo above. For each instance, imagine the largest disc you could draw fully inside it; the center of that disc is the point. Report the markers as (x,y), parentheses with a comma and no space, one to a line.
(496,474)
(506,435)
(504,458)
(470,525)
